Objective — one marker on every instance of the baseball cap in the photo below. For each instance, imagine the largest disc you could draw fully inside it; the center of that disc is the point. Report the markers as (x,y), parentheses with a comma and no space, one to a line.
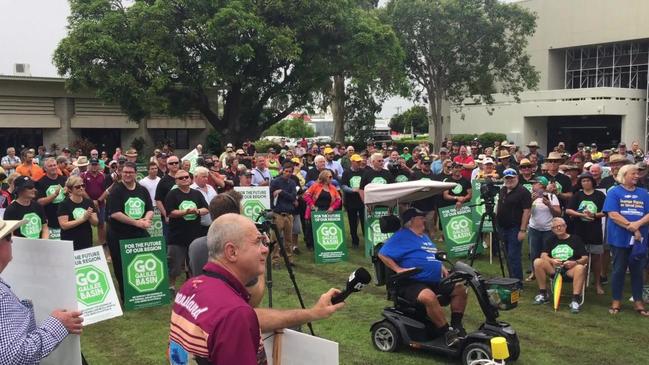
(122,160)
(426,160)
(94,161)
(356,158)
(229,145)
(542,180)
(487,160)
(443,150)
(410,213)
(509,173)
(525,162)
(240,152)
(295,160)
(23,182)
(328,150)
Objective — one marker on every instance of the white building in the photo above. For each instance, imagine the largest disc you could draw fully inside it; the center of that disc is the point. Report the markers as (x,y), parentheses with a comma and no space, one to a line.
(592,56)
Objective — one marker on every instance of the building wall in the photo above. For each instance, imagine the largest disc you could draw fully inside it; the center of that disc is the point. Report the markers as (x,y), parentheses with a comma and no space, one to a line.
(527,120)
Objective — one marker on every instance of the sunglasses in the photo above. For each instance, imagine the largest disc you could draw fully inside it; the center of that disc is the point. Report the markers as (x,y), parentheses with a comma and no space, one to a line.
(173,163)
(182,177)
(82,186)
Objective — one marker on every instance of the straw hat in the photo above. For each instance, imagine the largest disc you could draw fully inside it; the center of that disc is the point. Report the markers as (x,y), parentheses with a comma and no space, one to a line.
(503,154)
(533,144)
(132,152)
(617,158)
(7,227)
(554,156)
(81,161)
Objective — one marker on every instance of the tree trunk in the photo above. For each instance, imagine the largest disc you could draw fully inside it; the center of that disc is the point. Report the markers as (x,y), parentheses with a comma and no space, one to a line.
(435,119)
(338,108)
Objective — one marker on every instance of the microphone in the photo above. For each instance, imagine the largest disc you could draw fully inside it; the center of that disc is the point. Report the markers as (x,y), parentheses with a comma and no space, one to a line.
(357,281)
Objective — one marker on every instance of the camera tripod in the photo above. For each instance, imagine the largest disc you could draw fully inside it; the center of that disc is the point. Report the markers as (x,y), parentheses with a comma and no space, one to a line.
(265,227)
(489,214)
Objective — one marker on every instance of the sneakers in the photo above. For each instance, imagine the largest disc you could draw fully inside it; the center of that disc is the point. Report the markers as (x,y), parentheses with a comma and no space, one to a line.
(541,299)
(452,337)
(574,307)
(603,280)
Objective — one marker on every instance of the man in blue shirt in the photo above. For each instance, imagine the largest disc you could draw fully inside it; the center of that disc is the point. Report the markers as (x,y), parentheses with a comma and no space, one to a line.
(410,247)
(283,191)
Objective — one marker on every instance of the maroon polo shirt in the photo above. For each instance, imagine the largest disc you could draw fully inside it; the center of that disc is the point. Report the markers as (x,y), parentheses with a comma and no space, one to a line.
(94,184)
(212,319)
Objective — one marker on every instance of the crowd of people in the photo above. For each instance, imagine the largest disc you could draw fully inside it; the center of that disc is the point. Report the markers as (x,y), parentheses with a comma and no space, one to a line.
(557,202)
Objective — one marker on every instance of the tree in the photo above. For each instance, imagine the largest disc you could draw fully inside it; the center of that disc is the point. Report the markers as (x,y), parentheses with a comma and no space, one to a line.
(416,116)
(369,59)
(361,108)
(293,128)
(242,64)
(463,49)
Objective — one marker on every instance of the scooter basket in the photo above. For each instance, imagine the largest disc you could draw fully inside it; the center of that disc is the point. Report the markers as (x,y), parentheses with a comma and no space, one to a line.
(503,292)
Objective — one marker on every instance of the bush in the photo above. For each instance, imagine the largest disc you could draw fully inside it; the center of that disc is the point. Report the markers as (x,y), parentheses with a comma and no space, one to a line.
(213,143)
(488,139)
(84,145)
(263,146)
(293,128)
(464,139)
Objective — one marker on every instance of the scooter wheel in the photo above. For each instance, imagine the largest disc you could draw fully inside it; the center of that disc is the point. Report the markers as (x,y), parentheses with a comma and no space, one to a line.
(386,337)
(475,351)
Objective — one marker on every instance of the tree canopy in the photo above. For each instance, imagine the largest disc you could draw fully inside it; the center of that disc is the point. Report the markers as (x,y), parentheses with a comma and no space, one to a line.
(458,49)
(242,64)
(293,128)
(416,116)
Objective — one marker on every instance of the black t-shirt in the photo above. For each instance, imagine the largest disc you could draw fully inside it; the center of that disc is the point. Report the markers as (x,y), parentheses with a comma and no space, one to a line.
(377,177)
(607,183)
(563,183)
(165,185)
(571,248)
(353,180)
(133,203)
(324,200)
(401,175)
(81,235)
(185,229)
(511,206)
(461,189)
(46,187)
(427,204)
(34,214)
(527,184)
(590,231)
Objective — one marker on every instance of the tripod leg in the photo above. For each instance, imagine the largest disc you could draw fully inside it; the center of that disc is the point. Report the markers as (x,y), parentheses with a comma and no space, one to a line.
(477,240)
(501,247)
(269,275)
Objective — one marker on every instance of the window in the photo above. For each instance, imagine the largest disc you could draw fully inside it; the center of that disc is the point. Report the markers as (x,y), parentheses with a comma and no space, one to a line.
(178,138)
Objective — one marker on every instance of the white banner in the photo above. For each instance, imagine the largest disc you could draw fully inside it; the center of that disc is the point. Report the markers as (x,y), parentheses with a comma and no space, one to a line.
(255,200)
(96,292)
(298,348)
(43,272)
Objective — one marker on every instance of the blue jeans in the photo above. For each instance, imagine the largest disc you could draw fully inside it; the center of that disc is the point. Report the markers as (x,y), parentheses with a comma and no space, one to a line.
(514,252)
(536,239)
(620,262)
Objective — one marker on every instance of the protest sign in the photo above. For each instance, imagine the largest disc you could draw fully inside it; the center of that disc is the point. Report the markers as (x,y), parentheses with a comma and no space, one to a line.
(141,171)
(144,264)
(156,224)
(298,348)
(54,233)
(191,156)
(459,230)
(373,234)
(96,292)
(42,271)
(255,200)
(329,237)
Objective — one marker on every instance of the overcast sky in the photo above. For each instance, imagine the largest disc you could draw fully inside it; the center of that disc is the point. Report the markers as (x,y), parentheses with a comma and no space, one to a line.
(31,29)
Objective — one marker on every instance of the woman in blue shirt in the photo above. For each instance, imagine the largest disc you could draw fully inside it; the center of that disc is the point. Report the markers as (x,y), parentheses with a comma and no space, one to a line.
(627,207)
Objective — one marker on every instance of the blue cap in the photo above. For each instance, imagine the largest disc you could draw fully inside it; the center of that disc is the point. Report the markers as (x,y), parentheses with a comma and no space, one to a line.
(510,173)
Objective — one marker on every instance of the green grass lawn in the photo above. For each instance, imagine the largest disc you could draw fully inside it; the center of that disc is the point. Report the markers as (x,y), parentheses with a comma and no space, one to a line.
(590,337)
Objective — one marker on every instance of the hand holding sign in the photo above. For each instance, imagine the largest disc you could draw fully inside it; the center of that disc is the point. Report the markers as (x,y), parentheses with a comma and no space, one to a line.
(71,320)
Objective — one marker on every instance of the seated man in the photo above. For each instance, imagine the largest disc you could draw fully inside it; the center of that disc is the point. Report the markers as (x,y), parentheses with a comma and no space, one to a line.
(565,251)
(410,247)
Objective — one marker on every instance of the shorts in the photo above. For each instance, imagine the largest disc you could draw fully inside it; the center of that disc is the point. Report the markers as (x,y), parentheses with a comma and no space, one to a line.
(101,214)
(606,246)
(595,249)
(176,258)
(297,225)
(411,290)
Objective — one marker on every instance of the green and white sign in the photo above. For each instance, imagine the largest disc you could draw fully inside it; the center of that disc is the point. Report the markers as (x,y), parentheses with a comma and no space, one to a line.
(144,264)
(96,294)
(329,237)
(54,233)
(373,234)
(134,207)
(156,224)
(32,229)
(141,170)
(192,156)
(459,230)
(51,190)
(255,200)
(479,208)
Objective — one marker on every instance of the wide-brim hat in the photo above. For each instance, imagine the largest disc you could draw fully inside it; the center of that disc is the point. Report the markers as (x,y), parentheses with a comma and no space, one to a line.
(586,175)
(81,161)
(503,154)
(554,156)
(533,144)
(131,153)
(7,227)
(616,157)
